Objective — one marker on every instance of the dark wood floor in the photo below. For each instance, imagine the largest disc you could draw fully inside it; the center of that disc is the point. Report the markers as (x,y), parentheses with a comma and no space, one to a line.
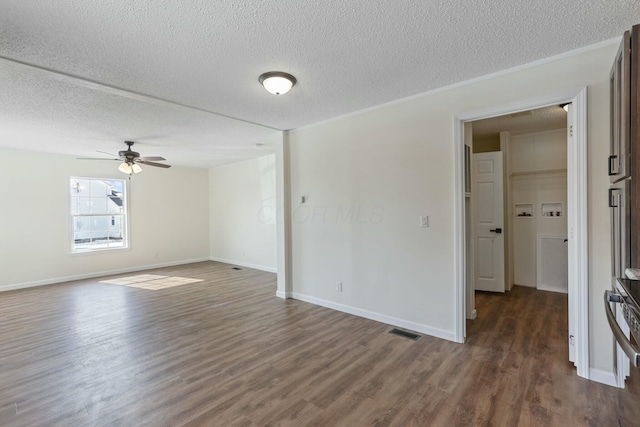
(226,351)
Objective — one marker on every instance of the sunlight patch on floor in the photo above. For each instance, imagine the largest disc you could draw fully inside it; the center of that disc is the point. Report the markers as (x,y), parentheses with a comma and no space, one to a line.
(152,282)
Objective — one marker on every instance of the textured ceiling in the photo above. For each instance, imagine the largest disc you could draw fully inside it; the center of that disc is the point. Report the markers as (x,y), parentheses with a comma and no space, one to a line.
(347,56)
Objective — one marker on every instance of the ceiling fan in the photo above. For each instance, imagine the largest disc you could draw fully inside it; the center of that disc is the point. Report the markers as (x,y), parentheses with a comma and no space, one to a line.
(131,160)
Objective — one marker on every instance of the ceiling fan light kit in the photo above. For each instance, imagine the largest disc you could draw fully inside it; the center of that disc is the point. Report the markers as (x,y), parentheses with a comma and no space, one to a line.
(129,168)
(277,82)
(125,168)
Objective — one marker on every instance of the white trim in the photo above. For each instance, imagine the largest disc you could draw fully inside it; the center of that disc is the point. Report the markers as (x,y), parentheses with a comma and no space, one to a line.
(578,238)
(459,249)
(524,105)
(417,327)
(604,377)
(579,233)
(505,147)
(57,280)
(550,289)
(543,61)
(284,295)
(245,264)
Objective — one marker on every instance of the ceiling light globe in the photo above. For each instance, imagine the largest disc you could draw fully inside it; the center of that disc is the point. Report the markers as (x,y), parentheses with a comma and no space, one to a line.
(277,83)
(125,168)
(136,168)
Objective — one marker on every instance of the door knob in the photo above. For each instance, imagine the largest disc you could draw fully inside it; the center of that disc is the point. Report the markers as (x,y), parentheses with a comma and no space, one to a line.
(496,230)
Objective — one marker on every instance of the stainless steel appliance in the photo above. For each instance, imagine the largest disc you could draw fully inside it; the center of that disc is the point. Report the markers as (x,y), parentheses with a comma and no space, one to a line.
(622,302)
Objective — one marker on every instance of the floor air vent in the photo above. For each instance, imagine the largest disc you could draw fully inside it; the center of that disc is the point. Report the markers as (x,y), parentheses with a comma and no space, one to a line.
(405,334)
(236,268)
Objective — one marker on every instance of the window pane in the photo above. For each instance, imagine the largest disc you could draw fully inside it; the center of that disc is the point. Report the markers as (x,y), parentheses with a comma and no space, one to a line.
(99,205)
(81,228)
(100,225)
(81,245)
(116,243)
(114,204)
(116,230)
(99,243)
(117,186)
(80,186)
(84,205)
(99,188)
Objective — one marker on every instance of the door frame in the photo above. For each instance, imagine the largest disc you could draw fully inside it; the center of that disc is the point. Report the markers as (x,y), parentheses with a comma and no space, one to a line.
(576,216)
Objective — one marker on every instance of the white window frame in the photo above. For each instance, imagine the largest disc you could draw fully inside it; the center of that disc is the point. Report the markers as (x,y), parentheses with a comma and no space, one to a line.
(124,215)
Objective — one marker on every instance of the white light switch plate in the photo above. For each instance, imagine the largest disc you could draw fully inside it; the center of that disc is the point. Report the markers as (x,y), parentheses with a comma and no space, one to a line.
(424,221)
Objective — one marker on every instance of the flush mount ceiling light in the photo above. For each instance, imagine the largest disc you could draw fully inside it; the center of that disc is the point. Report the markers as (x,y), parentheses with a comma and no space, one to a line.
(565,106)
(277,82)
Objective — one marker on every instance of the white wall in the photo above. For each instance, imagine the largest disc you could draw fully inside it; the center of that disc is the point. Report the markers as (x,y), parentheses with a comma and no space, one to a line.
(168,210)
(389,165)
(538,151)
(243,213)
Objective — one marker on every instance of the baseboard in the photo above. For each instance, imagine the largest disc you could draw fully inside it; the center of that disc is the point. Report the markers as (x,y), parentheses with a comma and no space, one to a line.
(524,285)
(93,275)
(604,377)
(405,324)
(474,315)
(284,295)
(245,264)
(552,289)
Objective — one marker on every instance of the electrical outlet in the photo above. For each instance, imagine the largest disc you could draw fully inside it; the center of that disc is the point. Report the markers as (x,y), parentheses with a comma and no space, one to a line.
(339,286)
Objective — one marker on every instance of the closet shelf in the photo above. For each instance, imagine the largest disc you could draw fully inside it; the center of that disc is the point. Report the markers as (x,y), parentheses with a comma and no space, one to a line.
(540,172)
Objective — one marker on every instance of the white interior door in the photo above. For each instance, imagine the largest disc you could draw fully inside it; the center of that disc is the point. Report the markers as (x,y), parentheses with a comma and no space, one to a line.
(488,201)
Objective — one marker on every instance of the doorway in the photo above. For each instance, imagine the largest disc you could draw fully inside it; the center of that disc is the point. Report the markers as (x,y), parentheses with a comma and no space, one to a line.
(519,196)
(576,209)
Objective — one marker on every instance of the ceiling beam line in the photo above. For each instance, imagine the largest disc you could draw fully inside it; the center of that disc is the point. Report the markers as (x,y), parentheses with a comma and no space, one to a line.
(125,93)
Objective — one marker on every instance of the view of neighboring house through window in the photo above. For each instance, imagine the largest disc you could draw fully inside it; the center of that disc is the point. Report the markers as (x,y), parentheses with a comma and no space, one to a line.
(98,213)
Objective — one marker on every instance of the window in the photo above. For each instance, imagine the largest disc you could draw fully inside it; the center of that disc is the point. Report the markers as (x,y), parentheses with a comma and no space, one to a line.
(98,214)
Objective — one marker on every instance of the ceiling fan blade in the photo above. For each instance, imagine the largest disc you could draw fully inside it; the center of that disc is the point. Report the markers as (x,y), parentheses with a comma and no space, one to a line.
(94,158)
(108,154)
(152,158)
(160,165)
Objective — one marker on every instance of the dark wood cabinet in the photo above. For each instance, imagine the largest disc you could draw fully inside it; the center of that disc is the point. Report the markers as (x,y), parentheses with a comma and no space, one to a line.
(633,128)
(624,203)
(619,81)
(624,156)
(620,218)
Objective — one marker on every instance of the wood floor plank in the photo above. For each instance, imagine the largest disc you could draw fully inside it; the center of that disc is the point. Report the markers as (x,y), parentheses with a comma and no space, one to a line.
(226,352)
